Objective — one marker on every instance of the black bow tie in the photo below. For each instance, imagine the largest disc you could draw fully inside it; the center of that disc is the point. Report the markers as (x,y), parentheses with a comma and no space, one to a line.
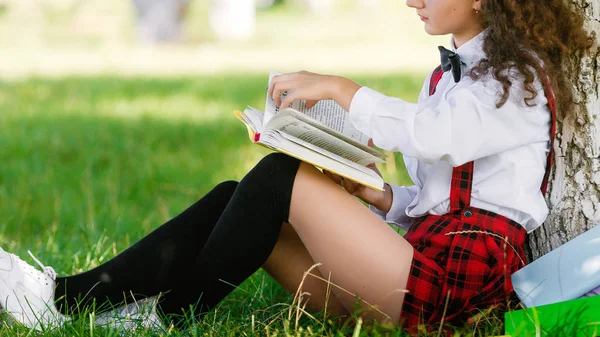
(451,60)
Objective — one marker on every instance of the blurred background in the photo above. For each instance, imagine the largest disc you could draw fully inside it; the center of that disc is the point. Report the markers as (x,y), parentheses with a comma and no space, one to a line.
(167,37)
(115,115)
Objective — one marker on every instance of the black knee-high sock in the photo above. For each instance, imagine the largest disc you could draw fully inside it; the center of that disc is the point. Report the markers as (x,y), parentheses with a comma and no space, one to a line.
(242,239)
(240,242)
(154,264)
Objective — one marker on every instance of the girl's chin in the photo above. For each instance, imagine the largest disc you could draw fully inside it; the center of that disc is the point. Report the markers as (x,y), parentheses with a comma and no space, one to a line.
(432,30)
(428,29)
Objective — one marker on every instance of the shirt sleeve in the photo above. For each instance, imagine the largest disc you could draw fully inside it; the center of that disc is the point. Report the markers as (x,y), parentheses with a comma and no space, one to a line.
(464,126)
(402,197)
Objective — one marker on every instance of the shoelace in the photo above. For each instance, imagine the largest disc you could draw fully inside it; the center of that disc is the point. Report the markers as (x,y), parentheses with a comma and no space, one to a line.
(48,271)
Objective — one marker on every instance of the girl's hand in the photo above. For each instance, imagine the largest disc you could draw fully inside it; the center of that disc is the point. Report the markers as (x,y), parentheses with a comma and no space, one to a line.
(382,200)
(312,87)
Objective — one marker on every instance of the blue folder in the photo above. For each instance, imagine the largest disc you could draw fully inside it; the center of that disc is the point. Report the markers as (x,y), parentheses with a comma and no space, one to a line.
(568,272)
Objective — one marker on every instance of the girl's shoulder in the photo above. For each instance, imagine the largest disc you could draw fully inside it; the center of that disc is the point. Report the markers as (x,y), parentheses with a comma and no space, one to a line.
(521,92)
(526,85)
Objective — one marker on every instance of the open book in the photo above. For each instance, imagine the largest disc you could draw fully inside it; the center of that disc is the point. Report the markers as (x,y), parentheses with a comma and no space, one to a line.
(322,136)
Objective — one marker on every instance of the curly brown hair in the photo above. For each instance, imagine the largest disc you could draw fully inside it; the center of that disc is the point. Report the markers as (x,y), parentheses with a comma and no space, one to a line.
(552,29)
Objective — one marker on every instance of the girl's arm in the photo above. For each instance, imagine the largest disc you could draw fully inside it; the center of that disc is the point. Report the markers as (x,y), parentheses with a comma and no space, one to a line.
(464,126)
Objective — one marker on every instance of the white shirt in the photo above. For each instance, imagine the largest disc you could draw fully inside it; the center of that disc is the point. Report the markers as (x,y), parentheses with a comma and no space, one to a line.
(458,124)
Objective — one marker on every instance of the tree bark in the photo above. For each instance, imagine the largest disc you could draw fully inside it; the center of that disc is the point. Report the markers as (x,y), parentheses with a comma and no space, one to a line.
(574,197)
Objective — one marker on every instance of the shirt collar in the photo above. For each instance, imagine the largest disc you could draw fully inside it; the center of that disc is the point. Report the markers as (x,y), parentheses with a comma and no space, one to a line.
(471,51)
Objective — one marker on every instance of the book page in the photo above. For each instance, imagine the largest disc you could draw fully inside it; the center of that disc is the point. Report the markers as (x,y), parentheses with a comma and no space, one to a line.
(253,118)
(320,150)
(326,112)
(332,115)
(270,108)
(286,123)
(310,121)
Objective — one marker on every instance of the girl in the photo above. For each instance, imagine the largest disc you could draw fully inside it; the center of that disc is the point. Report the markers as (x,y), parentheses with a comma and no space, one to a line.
(477,145)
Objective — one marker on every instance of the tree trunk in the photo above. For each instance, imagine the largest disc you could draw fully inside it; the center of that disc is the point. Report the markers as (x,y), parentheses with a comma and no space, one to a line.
(574,197)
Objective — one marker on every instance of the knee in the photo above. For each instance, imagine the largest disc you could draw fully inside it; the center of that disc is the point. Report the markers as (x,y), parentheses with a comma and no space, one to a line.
(226,187)
(222,193)
(274,162)
(273,170)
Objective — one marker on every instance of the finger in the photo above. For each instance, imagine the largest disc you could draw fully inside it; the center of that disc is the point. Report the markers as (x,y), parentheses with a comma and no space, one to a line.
(334,177)
(291,96)
(375,168)
(279,89)
(311,103)
(349,186)
(343,183)
(272,85)
(279,79)
(270,88)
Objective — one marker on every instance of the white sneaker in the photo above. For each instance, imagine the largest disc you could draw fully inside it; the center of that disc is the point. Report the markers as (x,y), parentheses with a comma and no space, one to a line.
(141,314)
(27,294)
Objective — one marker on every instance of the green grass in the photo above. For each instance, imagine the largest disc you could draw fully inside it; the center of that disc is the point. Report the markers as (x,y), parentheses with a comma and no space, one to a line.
(91,165)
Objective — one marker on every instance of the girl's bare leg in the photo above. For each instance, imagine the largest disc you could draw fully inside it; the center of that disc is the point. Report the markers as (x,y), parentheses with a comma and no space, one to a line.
(360,251)
(287,264)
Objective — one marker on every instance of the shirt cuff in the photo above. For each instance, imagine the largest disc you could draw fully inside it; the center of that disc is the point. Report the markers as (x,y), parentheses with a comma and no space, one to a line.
(362,108)
(402,197)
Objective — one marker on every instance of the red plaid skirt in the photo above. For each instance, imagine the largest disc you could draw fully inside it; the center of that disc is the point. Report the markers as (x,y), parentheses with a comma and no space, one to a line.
(462,263)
